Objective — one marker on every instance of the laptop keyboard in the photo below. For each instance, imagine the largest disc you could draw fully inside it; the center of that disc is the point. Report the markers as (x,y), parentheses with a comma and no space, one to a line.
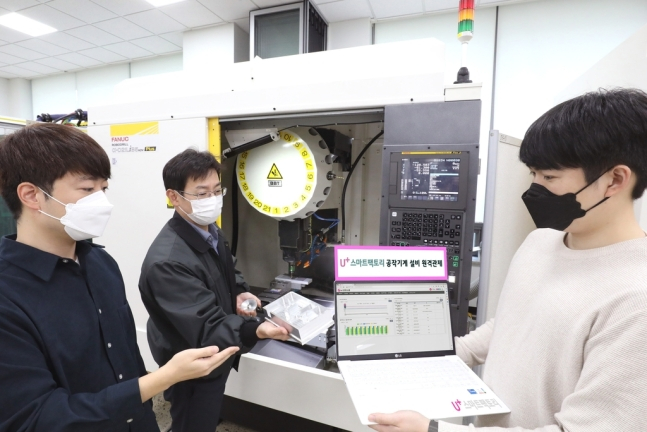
(408,374)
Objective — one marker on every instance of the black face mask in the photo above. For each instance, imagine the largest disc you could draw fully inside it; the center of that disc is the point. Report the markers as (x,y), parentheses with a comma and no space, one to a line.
(554,211)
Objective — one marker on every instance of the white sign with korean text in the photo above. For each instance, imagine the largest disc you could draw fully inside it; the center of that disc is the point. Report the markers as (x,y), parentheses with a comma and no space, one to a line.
(390,263)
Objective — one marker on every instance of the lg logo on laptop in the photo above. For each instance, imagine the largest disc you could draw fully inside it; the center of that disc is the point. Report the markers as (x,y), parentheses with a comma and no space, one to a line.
(398,355)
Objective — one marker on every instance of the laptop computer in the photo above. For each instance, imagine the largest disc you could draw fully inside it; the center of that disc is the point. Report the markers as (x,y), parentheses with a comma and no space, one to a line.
(395,351)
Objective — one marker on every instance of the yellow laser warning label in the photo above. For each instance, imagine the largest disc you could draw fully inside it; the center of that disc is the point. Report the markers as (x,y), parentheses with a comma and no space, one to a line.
(274,174)
(274,179)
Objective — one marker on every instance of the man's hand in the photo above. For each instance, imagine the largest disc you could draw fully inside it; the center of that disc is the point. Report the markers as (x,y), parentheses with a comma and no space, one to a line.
(185,365)
(240,298)
(196,363)
(267,330)
(400,421)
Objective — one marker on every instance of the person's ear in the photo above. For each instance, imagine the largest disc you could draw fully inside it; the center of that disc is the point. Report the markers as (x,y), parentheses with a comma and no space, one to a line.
(173,197)
(619,179)
(29,195)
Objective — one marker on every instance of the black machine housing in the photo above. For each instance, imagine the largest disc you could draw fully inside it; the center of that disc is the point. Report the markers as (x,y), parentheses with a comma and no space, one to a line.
(430,165)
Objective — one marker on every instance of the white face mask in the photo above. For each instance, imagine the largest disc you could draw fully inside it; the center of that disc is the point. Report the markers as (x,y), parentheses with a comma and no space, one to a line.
(205,210)
(87,218)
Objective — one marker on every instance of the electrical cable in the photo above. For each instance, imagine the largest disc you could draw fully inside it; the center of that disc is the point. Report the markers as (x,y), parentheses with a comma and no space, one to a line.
(231,152)
(332,124)
(350,173)
(78,114)
(319,240)
(312,250)
(64,117)
(324,219)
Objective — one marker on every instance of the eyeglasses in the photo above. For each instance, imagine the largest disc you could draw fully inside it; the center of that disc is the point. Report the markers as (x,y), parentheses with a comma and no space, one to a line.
(201,195)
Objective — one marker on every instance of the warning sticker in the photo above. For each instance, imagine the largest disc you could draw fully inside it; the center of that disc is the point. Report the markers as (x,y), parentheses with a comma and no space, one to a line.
(305,186)
(274,174)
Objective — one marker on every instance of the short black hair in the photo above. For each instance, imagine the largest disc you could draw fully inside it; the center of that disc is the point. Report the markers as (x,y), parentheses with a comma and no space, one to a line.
(188,165)
(42,153)
(595,132)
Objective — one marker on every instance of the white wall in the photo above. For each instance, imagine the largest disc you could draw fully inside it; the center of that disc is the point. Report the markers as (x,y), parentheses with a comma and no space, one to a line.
(95,85)
(62,94)
(241,45)
(348,34)
(545,45)
(156,65)
(55,94)
(20,99)
(4,97)
(208,48)
(480,62)
(625,66)
(15,98)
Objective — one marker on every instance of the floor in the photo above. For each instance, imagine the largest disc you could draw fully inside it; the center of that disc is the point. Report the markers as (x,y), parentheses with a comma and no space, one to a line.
(163,415)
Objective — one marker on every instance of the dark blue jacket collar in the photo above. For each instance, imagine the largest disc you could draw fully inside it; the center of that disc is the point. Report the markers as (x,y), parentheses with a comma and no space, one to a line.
(37,262)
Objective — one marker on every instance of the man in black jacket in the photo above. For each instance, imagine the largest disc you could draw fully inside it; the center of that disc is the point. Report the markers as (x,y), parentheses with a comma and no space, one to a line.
(192,291)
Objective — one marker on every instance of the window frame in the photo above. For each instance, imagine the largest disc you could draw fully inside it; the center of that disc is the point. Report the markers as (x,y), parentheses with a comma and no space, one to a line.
(267,11)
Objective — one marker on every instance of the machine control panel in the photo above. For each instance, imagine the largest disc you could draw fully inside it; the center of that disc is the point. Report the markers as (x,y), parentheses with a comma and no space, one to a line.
(409,227)
(430,167)
(429,201)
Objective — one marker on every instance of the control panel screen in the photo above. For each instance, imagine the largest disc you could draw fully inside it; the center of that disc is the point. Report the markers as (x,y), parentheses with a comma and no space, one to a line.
(383,318)
(429,179)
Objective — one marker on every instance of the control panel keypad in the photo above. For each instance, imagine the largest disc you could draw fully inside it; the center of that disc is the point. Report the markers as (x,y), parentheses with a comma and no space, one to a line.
(426,228)
(430,228)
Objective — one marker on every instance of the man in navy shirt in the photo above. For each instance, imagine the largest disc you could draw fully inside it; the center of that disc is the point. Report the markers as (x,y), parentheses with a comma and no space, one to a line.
(69,358)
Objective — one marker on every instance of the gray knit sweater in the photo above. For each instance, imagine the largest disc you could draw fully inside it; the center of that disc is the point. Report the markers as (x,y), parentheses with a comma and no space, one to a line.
(568,349)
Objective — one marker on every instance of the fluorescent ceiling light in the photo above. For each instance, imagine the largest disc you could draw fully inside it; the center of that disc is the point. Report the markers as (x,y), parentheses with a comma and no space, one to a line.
(25,25)
(158,3)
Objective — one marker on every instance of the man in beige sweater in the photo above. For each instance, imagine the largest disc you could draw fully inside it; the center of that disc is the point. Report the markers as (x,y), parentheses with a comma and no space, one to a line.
(567,350)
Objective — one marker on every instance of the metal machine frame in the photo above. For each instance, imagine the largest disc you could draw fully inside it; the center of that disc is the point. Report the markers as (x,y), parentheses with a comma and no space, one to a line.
(189,110)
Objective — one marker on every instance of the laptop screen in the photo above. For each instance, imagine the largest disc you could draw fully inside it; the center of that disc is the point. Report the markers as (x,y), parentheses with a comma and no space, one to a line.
(377,320)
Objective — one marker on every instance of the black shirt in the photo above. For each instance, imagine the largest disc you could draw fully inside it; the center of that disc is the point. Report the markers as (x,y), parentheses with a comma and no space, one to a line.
(69,359)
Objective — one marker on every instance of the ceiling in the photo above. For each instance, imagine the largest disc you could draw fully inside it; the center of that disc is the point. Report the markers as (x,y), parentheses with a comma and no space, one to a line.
(94,33)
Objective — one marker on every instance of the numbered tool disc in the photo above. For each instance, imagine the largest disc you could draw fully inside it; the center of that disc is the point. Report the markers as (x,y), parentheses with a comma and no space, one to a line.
(286,179)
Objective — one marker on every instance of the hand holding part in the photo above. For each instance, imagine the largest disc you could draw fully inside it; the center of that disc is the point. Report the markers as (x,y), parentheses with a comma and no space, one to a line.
(246,311)
(267,330)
